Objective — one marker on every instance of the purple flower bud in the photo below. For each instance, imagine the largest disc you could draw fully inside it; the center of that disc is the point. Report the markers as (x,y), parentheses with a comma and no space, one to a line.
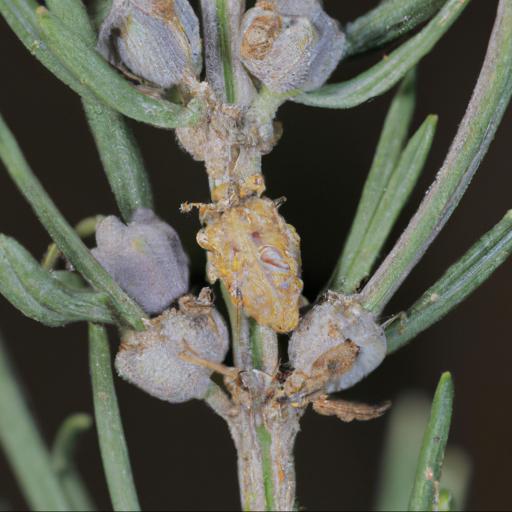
(158,40)
(145,258)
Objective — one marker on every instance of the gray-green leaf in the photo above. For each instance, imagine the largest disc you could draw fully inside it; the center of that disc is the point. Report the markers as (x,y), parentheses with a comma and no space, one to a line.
(384,75)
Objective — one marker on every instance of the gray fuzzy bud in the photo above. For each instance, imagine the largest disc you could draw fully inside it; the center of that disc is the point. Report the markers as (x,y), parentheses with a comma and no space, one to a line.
(145,258)
(291,44)
(158,40)
(152,360)
(337,326)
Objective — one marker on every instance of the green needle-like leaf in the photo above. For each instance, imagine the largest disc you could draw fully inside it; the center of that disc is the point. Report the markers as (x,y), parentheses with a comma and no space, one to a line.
(114,452)
(20,16)
(384,75)
(62,233)
(391,142)
(63,458)
(23,445)
(43,297)
(425,493)
(121,158)
(389,20)
(485,111)
(74,15)
(92,70)
(119,153)
(395,195)
(458,282)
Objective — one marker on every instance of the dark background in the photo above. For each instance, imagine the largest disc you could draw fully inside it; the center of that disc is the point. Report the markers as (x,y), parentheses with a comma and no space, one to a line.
(182,456)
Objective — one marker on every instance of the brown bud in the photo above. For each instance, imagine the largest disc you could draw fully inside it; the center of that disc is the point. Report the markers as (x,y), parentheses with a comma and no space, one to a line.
(336,344)
(290,44)
(153,360)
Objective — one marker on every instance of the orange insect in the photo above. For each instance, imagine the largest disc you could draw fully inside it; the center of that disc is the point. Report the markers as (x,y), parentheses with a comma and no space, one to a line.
(257,256)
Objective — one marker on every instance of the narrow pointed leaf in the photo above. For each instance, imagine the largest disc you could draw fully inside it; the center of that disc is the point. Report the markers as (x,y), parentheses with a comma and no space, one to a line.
(13,290)
(458,282)
(483,116)
(93,71)
(63,302)
(20,15)
(425,492)
(63,459)
(61,232)
(108,86)
(390,145)
(114,452)
(384,75)
(396,194)
(389,20)
(24,446)
(119,153)
(121,158)
(74,15)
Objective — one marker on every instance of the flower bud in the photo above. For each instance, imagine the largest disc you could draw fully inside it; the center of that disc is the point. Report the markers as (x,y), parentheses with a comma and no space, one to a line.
(291,44)
(336,345)
(152,360)
(157,40)
(145,258)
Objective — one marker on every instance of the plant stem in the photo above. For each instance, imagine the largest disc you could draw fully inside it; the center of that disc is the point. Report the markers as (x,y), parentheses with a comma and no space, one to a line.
(482,118)
(114,451)
(265,442)
(23,445)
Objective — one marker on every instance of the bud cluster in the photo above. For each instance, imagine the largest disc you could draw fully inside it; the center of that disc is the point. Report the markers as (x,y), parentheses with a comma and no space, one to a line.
(284,44)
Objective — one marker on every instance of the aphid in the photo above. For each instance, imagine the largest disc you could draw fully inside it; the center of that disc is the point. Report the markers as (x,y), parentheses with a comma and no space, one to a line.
(290,44)
(157,40)
(145,258)
(257,256)
(153,360)
(335,346)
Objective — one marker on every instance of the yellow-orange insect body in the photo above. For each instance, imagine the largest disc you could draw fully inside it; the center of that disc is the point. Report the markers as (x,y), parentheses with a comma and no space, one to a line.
(256,254)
